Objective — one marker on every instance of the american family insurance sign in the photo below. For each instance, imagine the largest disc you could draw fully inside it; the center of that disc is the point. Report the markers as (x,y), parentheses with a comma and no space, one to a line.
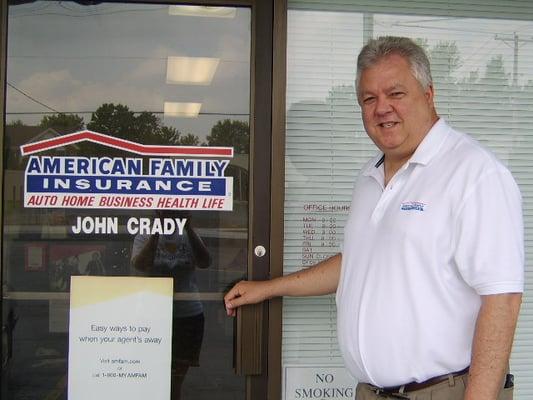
(157,177)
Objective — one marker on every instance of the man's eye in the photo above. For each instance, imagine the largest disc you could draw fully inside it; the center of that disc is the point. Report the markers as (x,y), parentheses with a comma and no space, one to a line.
(397,94)
(368,100)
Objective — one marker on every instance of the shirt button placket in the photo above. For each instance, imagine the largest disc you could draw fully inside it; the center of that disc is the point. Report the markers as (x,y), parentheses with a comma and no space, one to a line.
(388,194)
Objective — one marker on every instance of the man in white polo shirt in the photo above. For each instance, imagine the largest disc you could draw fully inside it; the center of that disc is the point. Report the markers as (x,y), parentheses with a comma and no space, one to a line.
(430,278)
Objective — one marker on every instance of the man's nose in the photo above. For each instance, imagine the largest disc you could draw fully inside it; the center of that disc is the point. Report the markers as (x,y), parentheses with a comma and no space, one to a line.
(383,106)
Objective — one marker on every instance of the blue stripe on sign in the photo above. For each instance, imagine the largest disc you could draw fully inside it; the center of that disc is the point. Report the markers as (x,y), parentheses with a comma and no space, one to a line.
(125,185)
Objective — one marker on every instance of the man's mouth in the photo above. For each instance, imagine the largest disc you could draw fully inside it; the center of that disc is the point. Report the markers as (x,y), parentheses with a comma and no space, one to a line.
(387,124)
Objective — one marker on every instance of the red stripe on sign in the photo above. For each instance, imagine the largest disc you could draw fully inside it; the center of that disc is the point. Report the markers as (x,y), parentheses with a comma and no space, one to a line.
(123,144)
(46,144)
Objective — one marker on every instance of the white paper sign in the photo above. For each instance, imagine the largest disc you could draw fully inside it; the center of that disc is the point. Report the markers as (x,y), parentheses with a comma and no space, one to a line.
(305,382)
(120,338)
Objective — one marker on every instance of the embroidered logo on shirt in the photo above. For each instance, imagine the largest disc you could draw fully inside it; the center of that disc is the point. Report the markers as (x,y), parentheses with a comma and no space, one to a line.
(413,206)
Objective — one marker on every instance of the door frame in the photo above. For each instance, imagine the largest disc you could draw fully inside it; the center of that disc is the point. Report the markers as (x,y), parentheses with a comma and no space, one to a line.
(266,172)
(277,181)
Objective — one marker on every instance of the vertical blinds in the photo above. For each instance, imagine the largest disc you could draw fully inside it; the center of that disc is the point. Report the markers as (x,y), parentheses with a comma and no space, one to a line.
(481,55)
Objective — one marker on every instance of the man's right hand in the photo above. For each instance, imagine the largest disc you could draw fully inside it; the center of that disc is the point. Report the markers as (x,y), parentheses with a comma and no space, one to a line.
(320,279)
(246,292)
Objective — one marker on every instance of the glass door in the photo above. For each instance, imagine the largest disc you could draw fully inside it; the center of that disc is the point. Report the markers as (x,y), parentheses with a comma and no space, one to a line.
(127,153)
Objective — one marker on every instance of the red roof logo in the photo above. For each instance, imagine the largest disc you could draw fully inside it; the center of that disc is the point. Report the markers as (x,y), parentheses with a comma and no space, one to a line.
(122,144)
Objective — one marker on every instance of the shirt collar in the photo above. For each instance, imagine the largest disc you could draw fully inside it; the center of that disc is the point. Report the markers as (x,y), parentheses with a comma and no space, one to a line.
(430,145)
(375,167)
(424,153)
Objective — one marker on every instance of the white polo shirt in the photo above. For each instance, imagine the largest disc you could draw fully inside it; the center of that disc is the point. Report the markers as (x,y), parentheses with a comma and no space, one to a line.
(418,254)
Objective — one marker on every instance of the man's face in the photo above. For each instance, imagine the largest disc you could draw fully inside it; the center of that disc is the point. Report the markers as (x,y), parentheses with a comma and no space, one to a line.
(397,111)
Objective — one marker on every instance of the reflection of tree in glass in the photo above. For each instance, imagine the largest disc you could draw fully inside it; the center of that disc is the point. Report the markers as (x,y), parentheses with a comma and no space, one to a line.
(495,69)
(111,119)
(445,60)
(15,124)
(119,121)
(188,140)
(62,123)
(231,133)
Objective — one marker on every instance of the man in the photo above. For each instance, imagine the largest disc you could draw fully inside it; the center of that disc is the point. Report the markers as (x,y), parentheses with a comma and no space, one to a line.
(429,283)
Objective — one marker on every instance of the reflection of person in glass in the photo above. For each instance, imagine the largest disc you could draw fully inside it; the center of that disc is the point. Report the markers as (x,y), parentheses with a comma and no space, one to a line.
(177,256)
(95,266)
(59,276)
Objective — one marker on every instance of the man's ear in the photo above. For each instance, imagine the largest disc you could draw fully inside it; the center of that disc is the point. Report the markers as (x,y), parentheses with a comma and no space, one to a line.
(430,93)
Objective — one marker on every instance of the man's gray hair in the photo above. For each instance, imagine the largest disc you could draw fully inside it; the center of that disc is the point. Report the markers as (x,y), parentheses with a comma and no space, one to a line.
(376,49)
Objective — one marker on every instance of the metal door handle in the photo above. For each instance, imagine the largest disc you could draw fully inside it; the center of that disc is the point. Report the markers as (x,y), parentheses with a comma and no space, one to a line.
(260,251)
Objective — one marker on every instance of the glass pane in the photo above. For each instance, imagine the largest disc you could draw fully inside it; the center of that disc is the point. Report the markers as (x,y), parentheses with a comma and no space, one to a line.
(137,75)
(481,65)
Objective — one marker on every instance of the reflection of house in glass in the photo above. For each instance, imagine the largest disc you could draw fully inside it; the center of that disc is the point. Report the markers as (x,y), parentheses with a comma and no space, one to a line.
(16,136)
(47,222)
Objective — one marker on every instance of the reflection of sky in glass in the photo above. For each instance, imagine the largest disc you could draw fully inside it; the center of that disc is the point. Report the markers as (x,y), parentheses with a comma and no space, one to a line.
(478,39)
(338,36)
(73,58)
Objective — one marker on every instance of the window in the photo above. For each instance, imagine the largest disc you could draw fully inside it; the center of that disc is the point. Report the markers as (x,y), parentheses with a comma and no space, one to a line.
(481,57)
(152,74)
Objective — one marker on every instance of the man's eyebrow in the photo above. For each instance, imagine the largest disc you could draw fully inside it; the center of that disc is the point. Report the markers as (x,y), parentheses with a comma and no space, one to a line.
(365,93)
(396,86)
(391,88)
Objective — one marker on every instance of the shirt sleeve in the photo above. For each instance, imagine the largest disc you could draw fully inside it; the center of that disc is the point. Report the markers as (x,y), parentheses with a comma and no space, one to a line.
(489,235)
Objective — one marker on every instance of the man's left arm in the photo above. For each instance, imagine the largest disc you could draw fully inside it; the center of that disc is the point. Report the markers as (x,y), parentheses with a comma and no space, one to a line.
(493,339)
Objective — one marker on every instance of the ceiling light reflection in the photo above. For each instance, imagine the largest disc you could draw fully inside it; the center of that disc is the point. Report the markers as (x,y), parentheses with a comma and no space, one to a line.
(191,70)
(181,110)
(203,11)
